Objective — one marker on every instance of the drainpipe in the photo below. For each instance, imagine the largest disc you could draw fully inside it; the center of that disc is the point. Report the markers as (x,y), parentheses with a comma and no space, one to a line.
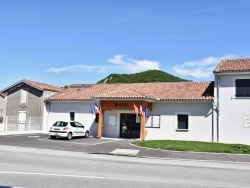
(218,105)
(212,121)
(213,106)
(47,104)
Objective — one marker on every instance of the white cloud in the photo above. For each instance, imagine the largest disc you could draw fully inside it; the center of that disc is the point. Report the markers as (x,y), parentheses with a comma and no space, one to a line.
(78,68)
(133,65)
(200,68)
(119,62)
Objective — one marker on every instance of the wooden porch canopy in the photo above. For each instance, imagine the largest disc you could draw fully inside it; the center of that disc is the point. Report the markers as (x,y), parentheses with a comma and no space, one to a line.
(123,105)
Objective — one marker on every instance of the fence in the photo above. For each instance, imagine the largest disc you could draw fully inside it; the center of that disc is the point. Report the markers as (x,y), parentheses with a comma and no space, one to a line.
(32,124)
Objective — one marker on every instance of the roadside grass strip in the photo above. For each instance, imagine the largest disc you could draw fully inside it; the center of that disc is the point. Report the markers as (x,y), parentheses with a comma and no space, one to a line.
(192,146)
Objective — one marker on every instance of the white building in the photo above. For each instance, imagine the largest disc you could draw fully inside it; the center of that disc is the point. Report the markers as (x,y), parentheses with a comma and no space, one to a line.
(232,98)
(179,111)
(1,111)
(24,107)
(216,111)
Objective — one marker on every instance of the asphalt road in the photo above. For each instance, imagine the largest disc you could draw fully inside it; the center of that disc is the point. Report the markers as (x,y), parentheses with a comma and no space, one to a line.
(109,146)
(27,167)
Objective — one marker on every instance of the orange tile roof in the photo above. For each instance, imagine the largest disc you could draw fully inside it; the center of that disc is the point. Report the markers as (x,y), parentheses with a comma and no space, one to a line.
(154,91)
(233,65)
(43,86)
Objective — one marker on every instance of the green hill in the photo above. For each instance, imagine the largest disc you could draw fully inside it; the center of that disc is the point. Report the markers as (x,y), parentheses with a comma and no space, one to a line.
(142,77)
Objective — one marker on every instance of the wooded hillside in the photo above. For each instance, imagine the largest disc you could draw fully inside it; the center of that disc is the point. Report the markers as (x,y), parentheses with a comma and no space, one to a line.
(142,77)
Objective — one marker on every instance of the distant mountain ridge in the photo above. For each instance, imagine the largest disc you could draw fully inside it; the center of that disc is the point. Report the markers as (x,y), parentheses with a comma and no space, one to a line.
(142,77)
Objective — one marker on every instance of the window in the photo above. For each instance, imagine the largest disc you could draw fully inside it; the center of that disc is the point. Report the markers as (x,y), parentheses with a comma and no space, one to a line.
(153,122)
(182,121)
(242,87)
(112,120)
(72,116)
(23,98)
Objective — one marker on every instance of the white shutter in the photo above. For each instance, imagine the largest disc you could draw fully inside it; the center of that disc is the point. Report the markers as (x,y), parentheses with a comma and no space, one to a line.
(23,97)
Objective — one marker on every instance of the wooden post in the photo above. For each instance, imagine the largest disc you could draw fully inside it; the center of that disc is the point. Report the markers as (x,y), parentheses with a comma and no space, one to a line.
(143,126)
(100,122)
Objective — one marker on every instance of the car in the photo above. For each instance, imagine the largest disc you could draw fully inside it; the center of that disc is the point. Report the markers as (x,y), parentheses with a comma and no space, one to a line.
(68,129)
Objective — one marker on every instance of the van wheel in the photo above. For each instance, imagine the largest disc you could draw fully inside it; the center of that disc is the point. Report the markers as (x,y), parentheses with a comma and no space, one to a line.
(87,134)
(52,137)
(69,136)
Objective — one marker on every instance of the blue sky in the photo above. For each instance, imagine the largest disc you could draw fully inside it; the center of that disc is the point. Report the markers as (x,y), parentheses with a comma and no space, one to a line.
(83,41)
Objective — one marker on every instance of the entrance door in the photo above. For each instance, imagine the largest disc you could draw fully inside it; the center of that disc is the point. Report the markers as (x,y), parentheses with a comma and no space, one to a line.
(21,121)
(130,126)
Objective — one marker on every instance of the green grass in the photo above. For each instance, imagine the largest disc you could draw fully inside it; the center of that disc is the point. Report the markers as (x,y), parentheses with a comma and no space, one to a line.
(194,146)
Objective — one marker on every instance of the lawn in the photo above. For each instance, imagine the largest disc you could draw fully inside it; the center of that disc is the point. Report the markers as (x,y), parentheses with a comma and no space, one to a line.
(194,146)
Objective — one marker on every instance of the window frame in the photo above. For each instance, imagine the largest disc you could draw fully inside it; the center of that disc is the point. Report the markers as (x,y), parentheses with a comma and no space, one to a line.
(177,121)
(70,115)
(150,122)
(244,88)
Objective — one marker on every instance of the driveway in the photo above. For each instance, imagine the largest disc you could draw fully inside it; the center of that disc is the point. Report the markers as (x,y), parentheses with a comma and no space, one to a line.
(110,147)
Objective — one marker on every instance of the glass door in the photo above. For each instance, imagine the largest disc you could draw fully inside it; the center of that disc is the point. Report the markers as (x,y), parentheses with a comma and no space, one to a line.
(130,126)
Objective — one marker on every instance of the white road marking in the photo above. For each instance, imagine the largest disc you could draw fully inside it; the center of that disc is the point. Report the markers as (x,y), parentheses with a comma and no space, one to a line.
(49,140)
(34,136)
(121,179)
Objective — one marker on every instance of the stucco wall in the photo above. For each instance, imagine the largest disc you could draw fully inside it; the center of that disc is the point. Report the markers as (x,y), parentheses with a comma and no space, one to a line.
(33,104)
(200,121)
(1,106)
(231,113)
(46,107)
(34,107)
(1,114)
(59,111)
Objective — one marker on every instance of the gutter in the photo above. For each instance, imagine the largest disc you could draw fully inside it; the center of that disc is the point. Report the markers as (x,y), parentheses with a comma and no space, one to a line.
(218,104)
(212,121)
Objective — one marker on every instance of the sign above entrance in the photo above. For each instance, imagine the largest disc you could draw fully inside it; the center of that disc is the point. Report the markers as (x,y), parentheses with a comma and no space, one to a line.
(121,104)
(124,105)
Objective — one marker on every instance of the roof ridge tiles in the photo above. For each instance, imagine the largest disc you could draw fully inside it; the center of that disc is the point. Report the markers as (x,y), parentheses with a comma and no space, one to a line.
(31,81)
